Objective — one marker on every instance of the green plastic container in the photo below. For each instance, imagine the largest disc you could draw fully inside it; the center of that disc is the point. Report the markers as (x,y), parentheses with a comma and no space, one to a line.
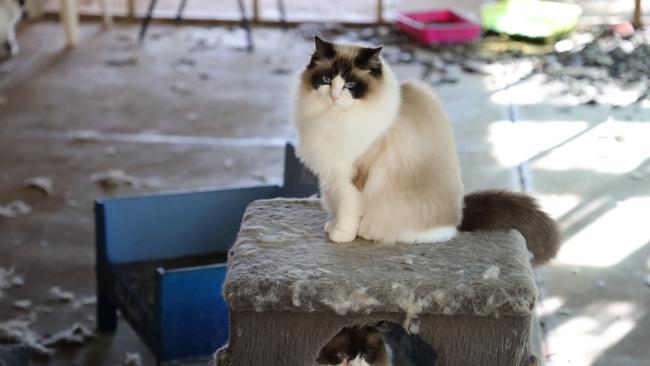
(530,18)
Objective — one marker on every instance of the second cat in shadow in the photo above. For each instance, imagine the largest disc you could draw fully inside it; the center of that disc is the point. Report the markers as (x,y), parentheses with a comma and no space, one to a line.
(376,344)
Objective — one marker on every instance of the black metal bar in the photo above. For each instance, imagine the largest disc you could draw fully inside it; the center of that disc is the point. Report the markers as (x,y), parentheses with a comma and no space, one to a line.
(106,313)
(245,22)
(147,19)
(283,14)
(181,8)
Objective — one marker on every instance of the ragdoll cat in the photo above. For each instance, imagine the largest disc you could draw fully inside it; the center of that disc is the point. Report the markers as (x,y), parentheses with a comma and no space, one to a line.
(376,344)
(386,159)
(10,12)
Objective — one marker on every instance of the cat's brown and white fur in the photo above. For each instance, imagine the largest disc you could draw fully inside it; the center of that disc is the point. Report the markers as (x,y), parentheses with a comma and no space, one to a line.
(380,343)
(386,160)
(385,156)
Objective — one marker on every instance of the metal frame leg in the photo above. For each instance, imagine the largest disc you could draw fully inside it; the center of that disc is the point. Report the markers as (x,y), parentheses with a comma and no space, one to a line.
(245,22)
(147,19)
(179,12)
(106,313)
(283,14)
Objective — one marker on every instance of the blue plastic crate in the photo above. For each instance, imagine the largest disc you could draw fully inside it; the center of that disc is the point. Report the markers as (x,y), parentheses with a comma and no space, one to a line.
(161,260)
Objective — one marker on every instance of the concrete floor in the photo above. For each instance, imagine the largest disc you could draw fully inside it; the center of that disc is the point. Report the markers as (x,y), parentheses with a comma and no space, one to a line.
(190,109)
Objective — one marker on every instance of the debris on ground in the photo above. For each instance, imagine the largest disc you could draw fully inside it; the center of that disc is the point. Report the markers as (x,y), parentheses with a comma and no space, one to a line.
(85,301)
(23,304)
(3,100)
(281,71)
(259,177)
(76,334)
(9,279)
(564,312)
(184,64)
(647,280)
(57,294)
(113,179)
(15,209)
(43,309)
(71,202)
(228,163)
(623,29)
(192,116)
(122,62)
(601,284)
(18,330)
(602,67)
(44,184)
(84,135)
(111,151)
(181,90)
(131,359)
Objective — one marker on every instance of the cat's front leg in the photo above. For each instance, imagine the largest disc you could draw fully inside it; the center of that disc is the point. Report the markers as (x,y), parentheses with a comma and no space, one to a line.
(347,213)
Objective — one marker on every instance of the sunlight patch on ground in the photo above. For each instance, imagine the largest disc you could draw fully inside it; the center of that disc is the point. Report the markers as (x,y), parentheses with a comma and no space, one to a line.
(611,147)
(611,237)
(583,338)
(517,142)
(549,306)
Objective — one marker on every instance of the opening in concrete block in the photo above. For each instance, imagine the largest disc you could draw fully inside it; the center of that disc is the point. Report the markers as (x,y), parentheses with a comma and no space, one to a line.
(380,343)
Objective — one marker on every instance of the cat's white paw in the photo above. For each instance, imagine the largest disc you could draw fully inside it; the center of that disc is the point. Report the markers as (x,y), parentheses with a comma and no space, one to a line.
(339,235)
(364,230)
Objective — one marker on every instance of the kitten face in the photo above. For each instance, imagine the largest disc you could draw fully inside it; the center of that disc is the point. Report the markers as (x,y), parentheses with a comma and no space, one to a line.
(343,75)
(355,346)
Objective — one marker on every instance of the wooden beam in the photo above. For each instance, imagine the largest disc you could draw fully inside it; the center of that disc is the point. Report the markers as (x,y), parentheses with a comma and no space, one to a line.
(70,20)
(130,4)
(106,13)
(380,12)
(34,9)
(256,10)
(636,21)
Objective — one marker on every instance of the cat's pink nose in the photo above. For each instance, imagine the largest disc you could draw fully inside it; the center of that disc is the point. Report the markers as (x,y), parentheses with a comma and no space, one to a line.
(333,98)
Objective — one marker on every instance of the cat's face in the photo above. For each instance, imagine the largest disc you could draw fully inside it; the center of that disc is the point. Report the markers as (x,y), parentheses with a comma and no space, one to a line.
(354,346)
(343,75)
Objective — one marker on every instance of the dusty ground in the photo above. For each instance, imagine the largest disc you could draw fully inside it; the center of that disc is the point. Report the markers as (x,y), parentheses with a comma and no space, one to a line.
(177,110)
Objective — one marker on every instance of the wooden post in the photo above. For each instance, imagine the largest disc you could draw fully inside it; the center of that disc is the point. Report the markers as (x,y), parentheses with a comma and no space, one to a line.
(70,20)
(34,9)
(106,13)
(380,11)
(636,21)
(256,10)
(131,8)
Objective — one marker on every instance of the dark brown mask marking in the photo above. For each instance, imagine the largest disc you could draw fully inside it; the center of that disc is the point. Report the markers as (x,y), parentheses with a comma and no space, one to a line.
(325,64)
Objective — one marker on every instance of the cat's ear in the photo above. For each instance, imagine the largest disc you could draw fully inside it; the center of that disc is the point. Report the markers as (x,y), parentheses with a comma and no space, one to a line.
(324,49)
(335,350)
(368,58)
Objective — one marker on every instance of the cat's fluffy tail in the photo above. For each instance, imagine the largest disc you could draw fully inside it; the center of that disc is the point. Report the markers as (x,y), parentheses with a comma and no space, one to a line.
(501,209)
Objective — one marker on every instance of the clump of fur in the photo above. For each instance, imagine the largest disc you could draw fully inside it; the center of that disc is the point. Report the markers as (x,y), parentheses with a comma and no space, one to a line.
(501,209)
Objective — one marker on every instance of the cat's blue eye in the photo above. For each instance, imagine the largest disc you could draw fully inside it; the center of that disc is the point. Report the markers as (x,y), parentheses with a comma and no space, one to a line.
(326,79)
(350,84)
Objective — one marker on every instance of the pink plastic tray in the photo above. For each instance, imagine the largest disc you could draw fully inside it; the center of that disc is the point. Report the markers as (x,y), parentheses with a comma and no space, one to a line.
(438,26)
